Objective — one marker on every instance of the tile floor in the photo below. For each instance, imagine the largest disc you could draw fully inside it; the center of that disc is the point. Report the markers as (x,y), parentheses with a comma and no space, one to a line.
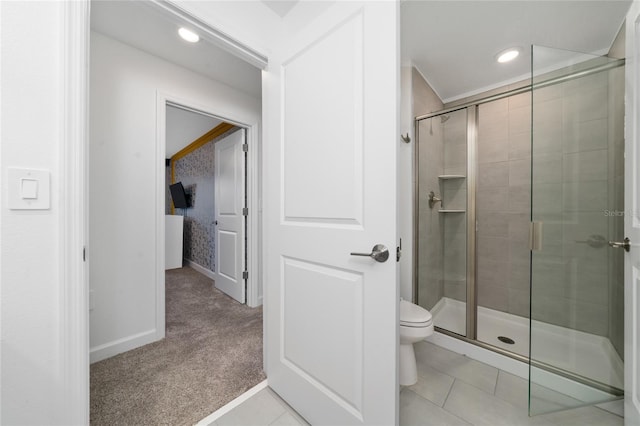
(452,390)
(263,409)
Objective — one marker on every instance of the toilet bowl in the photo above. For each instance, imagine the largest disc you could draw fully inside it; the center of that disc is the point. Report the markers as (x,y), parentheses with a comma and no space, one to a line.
(416,324)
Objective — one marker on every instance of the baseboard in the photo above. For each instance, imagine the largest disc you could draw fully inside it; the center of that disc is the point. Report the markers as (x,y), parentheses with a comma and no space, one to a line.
(122,345)
(231,405)
(254,305)
(204,271)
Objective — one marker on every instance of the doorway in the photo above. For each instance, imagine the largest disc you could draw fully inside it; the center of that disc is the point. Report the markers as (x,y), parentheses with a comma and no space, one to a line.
(130,89)
(206,198)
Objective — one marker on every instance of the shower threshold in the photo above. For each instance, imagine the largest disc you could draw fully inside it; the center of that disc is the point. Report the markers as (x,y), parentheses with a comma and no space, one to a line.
(575,351)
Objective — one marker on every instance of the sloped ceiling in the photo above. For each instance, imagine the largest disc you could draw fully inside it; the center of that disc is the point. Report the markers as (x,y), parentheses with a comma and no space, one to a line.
(184,127)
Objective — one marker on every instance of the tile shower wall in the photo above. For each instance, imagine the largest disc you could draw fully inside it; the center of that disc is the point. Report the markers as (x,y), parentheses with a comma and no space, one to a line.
(454,197)
(430,223)
(503,204)
(442,249)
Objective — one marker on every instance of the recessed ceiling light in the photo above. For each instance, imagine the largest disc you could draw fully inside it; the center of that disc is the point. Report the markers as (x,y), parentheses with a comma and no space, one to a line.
(508,55)
(188,35)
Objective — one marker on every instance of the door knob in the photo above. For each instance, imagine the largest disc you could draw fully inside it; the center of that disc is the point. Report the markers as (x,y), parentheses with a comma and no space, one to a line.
(379,253)
(626,244)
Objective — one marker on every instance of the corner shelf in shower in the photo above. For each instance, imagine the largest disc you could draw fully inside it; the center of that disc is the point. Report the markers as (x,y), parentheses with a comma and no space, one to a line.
(450,211)
(445,177)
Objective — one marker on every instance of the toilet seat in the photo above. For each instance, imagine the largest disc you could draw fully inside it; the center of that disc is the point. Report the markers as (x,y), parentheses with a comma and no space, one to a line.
(412,315)
(415,324)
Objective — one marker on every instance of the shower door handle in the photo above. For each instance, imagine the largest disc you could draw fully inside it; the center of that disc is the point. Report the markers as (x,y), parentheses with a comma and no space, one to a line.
(535,236)
(626,244)
(379,253)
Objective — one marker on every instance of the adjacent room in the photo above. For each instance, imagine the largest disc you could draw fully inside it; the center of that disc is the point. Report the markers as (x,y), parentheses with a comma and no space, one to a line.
(172,342)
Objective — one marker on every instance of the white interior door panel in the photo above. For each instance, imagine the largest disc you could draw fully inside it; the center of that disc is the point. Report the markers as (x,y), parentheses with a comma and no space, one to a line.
(230,226)
(330,98)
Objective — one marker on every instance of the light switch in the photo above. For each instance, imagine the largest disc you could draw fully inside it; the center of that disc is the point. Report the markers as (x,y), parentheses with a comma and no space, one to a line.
(29,189)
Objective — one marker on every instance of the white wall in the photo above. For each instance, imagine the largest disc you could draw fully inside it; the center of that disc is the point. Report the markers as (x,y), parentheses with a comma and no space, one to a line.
(32,382)
(123,167)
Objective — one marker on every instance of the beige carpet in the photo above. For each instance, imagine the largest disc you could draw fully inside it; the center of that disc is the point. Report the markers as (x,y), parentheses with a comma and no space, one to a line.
(211,354)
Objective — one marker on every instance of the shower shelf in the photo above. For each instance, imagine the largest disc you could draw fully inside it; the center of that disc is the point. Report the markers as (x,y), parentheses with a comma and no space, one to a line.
(445,177)
(451,211)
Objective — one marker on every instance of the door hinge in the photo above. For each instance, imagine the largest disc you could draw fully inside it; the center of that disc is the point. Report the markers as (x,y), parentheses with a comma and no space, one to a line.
(245,147)
(245,211)
(245,275)
(399,251)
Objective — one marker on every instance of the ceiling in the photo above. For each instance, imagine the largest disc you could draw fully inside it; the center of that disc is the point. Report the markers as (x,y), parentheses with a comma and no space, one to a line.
(454,43)
(139,24)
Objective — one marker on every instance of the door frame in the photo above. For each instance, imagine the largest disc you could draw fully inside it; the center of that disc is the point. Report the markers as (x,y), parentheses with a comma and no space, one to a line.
(253,231)
(74,226)
(632,134)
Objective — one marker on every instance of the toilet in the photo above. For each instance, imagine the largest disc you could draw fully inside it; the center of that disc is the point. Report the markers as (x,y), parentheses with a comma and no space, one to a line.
(416,324)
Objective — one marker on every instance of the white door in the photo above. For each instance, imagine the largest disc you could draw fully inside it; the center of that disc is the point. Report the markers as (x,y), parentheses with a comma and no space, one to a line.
(330,135)
(230,226)
(632,220)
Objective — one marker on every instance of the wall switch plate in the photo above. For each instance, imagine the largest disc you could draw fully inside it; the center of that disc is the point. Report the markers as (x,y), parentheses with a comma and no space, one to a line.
(29,189)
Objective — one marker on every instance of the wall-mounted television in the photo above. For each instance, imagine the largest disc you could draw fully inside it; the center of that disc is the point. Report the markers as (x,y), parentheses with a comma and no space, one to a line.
(179,197)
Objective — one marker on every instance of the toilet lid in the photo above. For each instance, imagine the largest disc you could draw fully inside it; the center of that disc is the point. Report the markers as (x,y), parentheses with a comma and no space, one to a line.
(414,315)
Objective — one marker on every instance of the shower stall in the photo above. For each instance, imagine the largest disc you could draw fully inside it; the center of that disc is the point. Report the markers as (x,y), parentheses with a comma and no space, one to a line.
(518,204)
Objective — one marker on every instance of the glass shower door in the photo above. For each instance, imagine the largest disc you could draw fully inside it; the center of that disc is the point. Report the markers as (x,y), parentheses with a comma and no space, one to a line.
(442,219)
(577,205)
